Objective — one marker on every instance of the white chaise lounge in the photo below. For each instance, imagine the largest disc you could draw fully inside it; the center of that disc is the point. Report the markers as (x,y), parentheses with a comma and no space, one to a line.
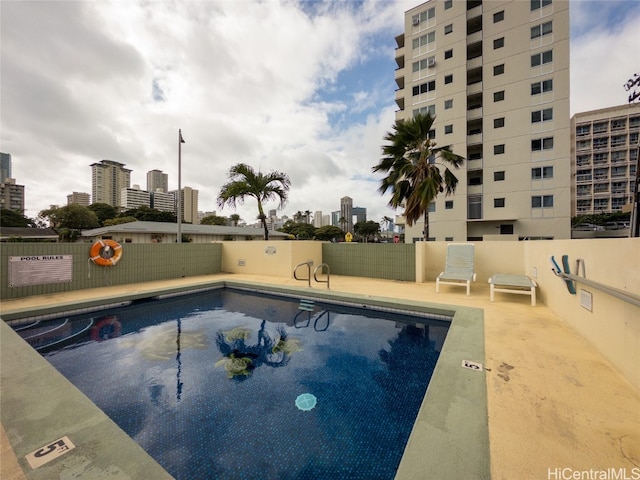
(509,283)
(459,266)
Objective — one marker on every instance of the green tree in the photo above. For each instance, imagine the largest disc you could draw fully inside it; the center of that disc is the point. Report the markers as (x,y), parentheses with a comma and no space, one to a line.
(412,164)
(246,182)
(103,211)
(72,217)
(213,220)
(118,221)
(146,214)
(329,232)
(300,230)
(366,229)
(11,218)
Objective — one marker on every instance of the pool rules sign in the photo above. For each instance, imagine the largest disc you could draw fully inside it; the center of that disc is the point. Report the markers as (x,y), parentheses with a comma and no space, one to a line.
(40,270)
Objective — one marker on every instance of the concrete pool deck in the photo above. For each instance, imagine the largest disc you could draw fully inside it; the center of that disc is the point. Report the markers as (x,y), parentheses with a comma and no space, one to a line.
(555,405)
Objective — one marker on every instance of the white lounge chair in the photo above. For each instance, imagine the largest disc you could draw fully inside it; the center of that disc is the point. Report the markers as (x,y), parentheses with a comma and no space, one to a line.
(458,268)
(508,283)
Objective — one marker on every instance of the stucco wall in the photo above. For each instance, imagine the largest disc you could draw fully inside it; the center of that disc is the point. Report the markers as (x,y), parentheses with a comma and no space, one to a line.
(274,258)
(613,325)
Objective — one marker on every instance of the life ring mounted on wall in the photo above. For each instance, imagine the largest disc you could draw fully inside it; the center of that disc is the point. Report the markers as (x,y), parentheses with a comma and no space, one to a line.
(105,253)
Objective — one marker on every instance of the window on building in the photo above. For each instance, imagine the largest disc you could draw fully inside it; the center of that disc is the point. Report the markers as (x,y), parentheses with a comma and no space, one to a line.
(538,116)
(498,176)
(498,69)
(448,104)
(448,53)
(536,4)
(448,29)
(541,172)
(424,40)
(498,202)
(540,30)
(424,16)
(428,110)
(498,43)
(448,204)
(498,149)
(448,4)
(542,201)
(424,88)
(424,64)
(542,87)
(538,144)
(498,96)
(448,129)
(498,122)
(448,79)
(498,16)
(542,58)
(506,229)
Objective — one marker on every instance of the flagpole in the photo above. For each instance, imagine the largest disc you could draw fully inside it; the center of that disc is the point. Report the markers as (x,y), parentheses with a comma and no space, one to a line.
(180,142)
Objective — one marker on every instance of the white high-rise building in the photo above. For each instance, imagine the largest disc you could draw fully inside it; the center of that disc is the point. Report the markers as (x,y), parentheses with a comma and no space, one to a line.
(108,178)
(496,76)
(134,197)
(604,158)
(163,201)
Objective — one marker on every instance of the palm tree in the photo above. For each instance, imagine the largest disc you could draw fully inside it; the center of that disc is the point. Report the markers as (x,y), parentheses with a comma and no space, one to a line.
(413,174)
(386,221)
(246,182)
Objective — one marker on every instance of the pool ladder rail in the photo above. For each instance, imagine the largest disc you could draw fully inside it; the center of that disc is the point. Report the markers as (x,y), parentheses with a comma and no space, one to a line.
(309,307)
(308,264)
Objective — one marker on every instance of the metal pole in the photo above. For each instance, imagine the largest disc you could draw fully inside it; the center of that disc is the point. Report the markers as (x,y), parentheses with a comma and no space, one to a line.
(179,239)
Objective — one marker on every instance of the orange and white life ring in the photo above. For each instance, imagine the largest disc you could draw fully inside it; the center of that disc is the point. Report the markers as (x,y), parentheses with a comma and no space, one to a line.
(108,327)
(105,253)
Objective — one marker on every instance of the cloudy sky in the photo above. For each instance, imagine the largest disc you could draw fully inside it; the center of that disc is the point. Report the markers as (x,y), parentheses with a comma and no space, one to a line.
(304,87)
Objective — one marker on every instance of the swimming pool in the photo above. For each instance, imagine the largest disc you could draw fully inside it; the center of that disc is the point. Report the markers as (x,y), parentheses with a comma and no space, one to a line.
(210,390)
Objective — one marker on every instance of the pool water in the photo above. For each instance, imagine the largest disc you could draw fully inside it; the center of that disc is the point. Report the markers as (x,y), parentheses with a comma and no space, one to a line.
(227,384)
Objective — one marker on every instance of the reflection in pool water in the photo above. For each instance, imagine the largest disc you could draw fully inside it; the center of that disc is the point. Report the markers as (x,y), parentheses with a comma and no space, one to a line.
(184,381)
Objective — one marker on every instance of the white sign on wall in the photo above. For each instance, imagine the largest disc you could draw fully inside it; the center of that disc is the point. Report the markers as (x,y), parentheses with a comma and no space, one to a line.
(40,270)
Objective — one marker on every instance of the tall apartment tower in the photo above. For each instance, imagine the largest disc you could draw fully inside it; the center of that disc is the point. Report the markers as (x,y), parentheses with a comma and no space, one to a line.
(188,204)
(496,76)
(157,181)
(108,178)
(604,159)
(346,212)
(5,166)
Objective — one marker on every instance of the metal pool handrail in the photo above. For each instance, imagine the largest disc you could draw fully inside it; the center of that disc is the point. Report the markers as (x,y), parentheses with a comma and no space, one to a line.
(328,274)
(308,279)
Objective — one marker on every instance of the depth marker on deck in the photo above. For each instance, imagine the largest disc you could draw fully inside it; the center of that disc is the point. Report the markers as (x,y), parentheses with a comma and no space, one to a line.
(472,365)
(50,452)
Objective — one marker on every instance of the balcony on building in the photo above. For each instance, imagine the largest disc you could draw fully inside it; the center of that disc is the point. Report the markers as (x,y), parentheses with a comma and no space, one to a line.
(474,132)
(474,9)
(474,83)
(474,182)
(474,157)
(474,55)
(474,106)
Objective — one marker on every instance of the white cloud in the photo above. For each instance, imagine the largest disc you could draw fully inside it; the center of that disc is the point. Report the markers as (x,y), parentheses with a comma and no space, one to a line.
(604,53)
(246,81)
